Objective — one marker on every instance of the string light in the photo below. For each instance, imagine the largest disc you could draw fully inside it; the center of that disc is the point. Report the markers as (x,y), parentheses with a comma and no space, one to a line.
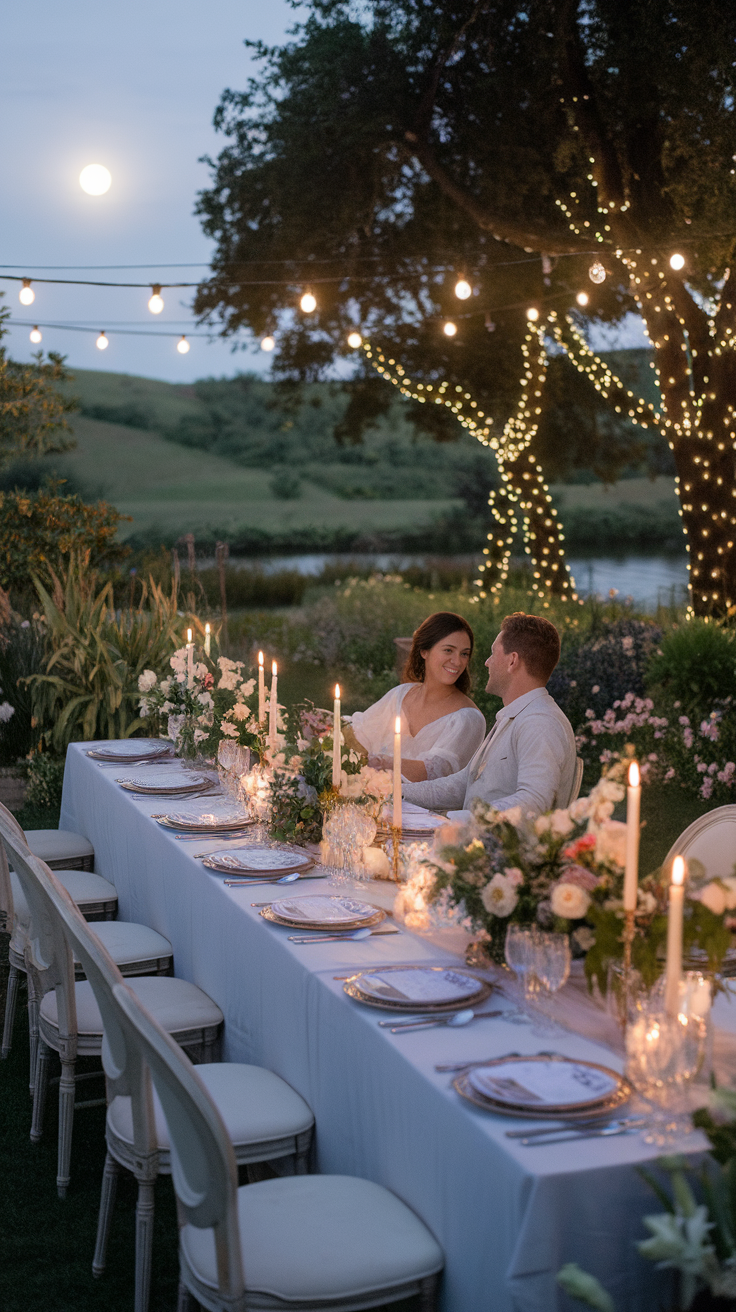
(532,314)
(355,340)
(156,303)
(449,328)
(267,343)
(35,335)
(26,295)
(677,261)
(596,272)
(308,303)
(182,345)
(582,298)
(463,289)
(102,342)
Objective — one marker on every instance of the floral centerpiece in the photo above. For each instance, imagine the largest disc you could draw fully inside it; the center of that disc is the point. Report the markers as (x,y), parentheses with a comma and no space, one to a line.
(198,706)
(561,871)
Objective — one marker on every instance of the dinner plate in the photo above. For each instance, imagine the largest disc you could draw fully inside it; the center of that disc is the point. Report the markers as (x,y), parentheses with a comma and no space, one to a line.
(165,782)
(415,821)
(315,912)
(418,988)
(132,749)
(543,1086)
(258,860)
(204,822)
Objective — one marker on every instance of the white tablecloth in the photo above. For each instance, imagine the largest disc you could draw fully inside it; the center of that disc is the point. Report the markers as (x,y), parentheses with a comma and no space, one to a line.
(506,1216)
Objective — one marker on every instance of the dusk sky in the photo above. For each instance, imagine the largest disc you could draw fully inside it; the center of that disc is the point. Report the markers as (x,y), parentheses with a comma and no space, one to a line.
(133,87)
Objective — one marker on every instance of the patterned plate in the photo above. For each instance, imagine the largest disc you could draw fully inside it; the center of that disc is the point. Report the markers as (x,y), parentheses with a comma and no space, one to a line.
(543,1086)
(205,822)
(435,989)
(165,783)
(315,912)
(131,750)
(258,860)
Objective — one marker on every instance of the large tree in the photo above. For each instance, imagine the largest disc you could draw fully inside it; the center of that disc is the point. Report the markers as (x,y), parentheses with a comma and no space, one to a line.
(385,150)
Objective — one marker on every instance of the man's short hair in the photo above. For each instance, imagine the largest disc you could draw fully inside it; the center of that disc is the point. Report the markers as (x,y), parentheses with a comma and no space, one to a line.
(536,641)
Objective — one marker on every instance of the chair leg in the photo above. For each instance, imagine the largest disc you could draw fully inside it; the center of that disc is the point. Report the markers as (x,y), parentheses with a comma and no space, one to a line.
(39,1090)
(185,1302)
(32,1030)
(66,1123)
(10,1005)
(143,1244)
(428,1294)
(104,1219)
(302,1155)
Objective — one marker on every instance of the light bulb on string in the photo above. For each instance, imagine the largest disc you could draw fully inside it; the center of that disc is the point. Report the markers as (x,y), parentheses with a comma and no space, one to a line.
(308,303)
(35,335)
(596,272)
(26,295)
(677,261)
(102,343)
(268,343)
(156,304)
(449,328)
(182,345)
(582,298)
(463,289)
(532,314)
(355,340)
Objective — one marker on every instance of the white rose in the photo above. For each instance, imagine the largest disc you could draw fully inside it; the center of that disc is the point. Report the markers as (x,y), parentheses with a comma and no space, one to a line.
(569,901)
(561,823)
(730,889)
(230,680)
(512,816)
(610,843)
(146,681)
(240,712)
(580,810)
(229,730)
(499,897)
(247,687)
(713,897)
(542,824)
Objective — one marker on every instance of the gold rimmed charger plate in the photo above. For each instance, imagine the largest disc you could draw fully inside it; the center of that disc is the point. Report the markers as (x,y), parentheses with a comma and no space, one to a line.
(218,830)
(586,1110)
(131,758)
(335,926)
(473,999)
(301,864)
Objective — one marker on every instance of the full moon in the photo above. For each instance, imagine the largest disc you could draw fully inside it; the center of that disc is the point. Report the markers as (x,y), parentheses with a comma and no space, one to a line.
(95,179)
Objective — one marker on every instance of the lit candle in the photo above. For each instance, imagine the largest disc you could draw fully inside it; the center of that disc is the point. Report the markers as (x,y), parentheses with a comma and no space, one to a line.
(397,772)
(261,690)
(633,803)
(674,937)
(207,639)
(336,731)
(272,707)
(190,660)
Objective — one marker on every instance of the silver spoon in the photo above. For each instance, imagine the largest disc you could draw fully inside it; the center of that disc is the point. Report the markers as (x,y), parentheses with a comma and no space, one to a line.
(248,883)
(460,1018)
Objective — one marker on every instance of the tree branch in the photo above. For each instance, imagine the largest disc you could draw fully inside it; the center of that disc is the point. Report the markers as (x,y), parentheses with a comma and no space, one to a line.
(582,108)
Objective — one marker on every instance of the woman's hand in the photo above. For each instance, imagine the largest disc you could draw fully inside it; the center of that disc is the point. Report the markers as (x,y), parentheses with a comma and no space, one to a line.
(414,771)
(381,762)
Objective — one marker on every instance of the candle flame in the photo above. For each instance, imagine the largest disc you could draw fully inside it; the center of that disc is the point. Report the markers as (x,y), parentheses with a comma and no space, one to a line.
(337,692)
(189,635)
(678,870)
(398,724)
(634,776)
(274,668)
(207,628)
(260,658)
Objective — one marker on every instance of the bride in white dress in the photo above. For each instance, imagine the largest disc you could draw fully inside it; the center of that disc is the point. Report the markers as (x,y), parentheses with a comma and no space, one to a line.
(441,728)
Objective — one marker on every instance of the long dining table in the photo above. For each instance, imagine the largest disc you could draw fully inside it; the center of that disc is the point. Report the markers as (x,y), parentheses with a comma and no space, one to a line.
(507,1216)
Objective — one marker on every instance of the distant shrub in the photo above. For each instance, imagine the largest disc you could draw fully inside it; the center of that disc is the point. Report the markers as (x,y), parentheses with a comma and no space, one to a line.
(45,775)
(695,665)
(129,414)
(602,666)
(286,485)
(22,651)
(37,529)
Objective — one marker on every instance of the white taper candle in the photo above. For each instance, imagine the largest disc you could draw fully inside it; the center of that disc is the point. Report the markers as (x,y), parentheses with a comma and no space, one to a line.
(261,690)
(633,807)
(674,937)
(336,732)
(397,772)
(273,706)
(207,639)
(190,660)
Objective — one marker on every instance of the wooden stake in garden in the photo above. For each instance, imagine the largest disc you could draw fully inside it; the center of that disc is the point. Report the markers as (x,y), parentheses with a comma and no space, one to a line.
(175,569)
(222,551)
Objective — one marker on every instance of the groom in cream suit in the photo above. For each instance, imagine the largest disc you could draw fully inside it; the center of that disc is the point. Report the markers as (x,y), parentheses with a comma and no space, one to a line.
(528,758)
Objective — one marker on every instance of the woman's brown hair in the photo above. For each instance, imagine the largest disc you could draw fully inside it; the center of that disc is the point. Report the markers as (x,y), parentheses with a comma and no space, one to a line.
(432,631)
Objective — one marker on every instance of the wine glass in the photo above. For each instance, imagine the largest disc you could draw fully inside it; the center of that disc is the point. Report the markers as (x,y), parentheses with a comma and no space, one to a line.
(664,1055)
(519,951)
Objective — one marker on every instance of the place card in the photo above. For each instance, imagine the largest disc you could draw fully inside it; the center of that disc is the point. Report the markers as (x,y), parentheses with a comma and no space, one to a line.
(421,984)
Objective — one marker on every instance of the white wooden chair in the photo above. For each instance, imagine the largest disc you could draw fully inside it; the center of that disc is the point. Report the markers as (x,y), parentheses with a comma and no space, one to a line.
(328,1242)
(61,849)
(136,949)
(710,839)
(577,780)
(69,1020)
(264,1117)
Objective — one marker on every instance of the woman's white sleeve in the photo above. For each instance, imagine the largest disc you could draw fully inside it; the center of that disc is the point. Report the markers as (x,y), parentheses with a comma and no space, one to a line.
(371,727)
(457,745)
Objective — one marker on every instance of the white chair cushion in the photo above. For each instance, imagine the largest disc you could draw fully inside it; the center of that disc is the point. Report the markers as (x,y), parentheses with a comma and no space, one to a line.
(58,844)
(320,1237)
(176,1004)
(128,942)
(255,1105)
(83,887)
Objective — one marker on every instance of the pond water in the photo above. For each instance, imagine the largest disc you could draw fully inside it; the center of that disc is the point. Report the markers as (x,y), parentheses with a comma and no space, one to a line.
(650,580)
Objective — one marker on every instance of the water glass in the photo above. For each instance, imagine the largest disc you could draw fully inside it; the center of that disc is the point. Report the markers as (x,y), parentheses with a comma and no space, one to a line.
(346,831)
(666,1053)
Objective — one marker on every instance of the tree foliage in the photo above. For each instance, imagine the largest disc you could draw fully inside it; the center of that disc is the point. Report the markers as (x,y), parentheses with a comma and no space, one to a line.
(384,150)
(37,528)
(32,407)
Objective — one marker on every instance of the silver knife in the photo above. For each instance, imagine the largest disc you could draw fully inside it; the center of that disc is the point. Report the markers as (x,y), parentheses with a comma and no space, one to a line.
(571,1136)
(589,1123)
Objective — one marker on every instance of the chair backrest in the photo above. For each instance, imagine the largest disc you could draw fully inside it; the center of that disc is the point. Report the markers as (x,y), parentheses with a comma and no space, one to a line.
(577,780)
(125,1071)
(6,889)
(710,839)
(202,1159)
